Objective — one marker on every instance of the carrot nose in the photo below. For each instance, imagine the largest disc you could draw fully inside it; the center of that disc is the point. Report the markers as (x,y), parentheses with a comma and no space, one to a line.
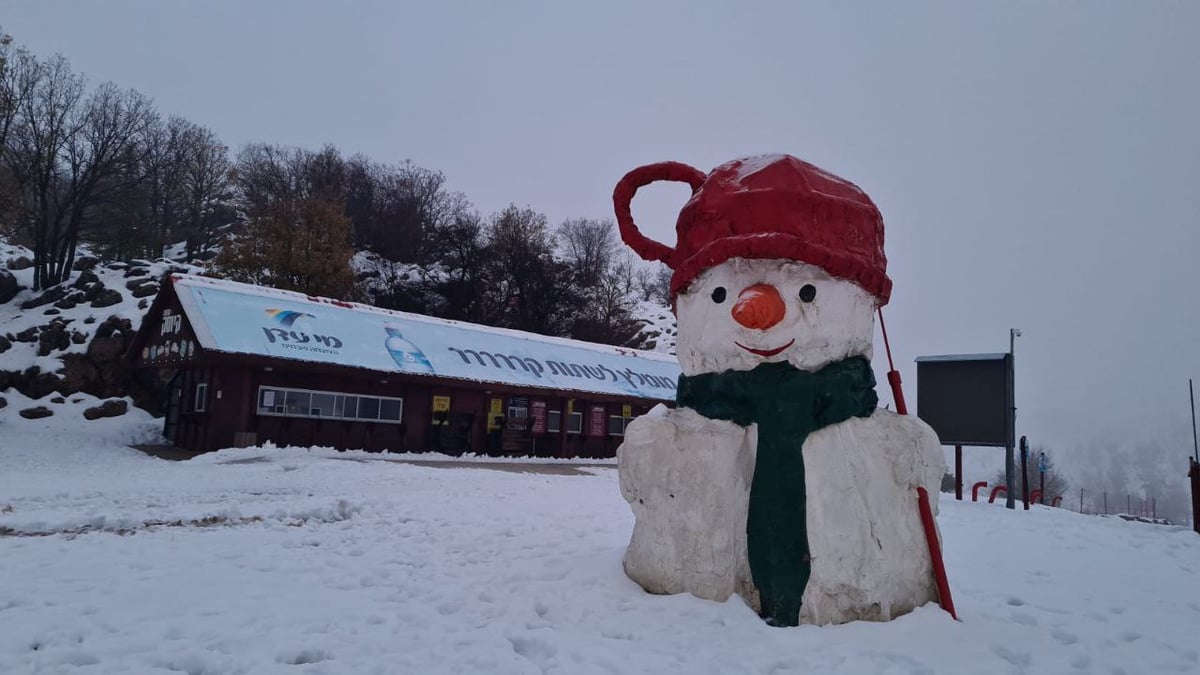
(759,306)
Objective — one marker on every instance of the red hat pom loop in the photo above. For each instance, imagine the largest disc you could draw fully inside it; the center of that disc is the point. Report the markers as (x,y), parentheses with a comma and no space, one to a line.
(623,195)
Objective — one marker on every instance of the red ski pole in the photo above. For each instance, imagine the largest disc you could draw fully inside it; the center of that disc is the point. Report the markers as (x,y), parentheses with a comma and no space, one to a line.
(893,374)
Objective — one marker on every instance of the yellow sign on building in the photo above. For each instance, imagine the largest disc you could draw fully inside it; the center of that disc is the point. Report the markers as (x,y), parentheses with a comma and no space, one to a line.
(496,412)
(441,404)
(627,410)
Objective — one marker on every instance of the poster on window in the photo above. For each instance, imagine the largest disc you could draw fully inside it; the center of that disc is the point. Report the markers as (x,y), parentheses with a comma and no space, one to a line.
(599,416)
(538,412)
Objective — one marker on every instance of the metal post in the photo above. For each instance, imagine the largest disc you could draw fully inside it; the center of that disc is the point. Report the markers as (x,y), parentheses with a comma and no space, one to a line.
(1195,443)
(1081,500)
(1106,503)
(1025,472)
(1128,508)
(958,472)
(1194,474)
(1010,496)
(1042,471)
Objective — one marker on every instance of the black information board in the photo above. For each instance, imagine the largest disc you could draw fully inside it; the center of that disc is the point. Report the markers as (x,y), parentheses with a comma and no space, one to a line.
(968,398)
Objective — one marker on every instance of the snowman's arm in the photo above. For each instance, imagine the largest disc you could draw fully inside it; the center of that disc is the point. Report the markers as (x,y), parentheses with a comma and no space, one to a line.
(661,442)
(917,458)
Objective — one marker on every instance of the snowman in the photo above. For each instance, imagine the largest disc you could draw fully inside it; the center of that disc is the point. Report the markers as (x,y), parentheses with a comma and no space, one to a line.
(777,476)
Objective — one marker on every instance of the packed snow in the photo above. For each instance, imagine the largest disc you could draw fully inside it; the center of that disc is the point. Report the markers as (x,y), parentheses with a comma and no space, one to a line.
(285,560)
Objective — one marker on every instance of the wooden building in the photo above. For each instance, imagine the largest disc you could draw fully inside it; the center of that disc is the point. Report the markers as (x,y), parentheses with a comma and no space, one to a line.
(249,365)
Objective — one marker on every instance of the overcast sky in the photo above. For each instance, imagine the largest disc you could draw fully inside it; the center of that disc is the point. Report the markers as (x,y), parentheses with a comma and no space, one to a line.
(1037,164)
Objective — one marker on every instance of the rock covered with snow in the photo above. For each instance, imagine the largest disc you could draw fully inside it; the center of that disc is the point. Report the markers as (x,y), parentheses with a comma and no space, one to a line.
(72,337)
(110,408)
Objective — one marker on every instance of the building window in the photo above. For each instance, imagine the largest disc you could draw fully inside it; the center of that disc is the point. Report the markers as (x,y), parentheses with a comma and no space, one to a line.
(368,408)
(553,421)
(389,409)
(286,402)
(321,405)
(617,425)
(200,404)
(575,423)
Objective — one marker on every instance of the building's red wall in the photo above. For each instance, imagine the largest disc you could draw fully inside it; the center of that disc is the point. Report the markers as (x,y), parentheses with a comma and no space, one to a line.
(233,397)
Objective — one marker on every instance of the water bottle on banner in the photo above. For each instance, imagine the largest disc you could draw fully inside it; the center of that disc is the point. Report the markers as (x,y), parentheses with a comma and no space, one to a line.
(404,353)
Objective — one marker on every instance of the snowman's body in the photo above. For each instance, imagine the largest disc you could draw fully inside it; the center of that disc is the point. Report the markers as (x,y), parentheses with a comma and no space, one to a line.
(777,478)
(688,477)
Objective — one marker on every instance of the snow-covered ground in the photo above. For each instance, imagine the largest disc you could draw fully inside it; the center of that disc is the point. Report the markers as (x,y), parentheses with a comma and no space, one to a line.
(313,561)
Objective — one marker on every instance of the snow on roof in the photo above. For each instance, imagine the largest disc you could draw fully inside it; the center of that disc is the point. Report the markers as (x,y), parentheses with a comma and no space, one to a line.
(245,319)
(962,357)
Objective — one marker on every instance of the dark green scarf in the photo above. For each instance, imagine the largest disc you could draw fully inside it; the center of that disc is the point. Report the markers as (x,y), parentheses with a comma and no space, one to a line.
(788,404)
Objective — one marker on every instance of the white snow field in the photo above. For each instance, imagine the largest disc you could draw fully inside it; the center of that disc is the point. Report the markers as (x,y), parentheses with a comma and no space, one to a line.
(292,560)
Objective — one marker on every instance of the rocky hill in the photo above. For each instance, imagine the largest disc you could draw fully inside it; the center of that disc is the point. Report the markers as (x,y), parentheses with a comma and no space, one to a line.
(69,341)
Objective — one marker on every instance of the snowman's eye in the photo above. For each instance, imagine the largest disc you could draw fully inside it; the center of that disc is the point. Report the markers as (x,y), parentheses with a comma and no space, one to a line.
(718,294)
(808,292)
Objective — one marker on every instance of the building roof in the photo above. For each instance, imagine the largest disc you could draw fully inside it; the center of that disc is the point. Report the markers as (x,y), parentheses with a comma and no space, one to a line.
(961,357)
(241,318)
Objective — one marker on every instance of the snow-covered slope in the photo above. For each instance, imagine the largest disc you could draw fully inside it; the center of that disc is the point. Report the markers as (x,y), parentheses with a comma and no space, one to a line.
(660,324)
(71,337)
(297,560)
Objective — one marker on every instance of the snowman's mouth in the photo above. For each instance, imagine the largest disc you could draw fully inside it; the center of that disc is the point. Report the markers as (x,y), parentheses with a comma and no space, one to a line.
(766,352)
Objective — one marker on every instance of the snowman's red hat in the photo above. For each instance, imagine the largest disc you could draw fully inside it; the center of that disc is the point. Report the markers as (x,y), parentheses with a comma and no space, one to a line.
(768,207)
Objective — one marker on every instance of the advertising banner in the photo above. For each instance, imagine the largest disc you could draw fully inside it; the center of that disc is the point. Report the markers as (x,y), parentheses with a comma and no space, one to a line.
(244,319)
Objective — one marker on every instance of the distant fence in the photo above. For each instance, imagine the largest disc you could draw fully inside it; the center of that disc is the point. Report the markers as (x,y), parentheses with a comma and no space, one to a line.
(1097,503)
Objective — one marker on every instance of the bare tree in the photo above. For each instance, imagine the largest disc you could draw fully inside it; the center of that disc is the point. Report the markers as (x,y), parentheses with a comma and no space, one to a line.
(589,246)
(654,283)
(606,315)
(267,174)
(101,157)
(528,287)
(47,119)
(206,190)
(12,93)
(15,87)
(167,149)
(410,202)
